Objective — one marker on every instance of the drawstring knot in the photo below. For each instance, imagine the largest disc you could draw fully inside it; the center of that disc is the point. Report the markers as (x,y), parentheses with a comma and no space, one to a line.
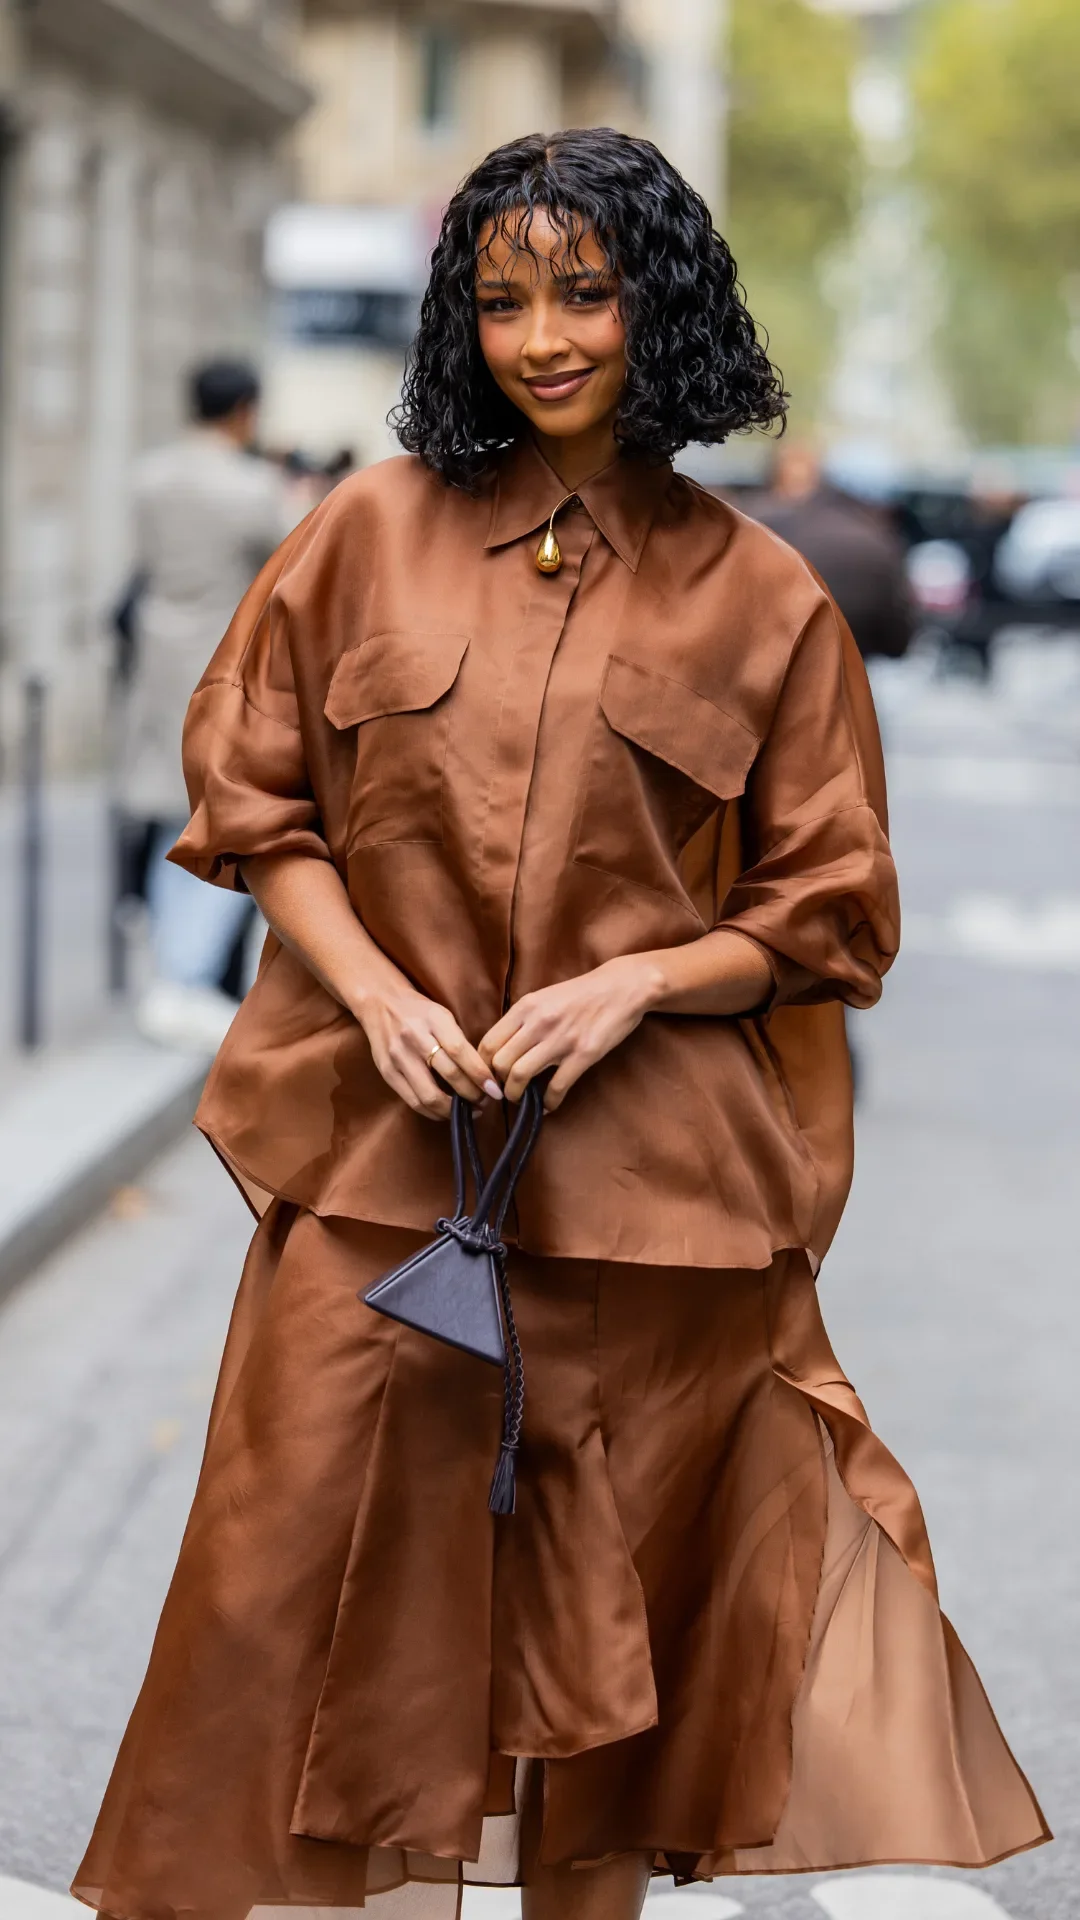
(476,1238)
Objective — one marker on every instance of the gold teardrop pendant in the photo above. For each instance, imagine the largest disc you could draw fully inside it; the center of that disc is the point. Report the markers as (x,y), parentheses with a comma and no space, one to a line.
(549,553)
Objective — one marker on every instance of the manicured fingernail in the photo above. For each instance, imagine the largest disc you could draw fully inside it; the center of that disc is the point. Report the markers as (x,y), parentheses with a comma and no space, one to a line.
(493,1090)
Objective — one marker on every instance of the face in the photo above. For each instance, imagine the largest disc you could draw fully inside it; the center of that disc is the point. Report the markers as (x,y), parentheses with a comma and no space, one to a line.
(797,472)
(550,328)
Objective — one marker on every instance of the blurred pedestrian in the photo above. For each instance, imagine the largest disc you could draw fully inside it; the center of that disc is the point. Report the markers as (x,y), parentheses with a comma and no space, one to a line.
(208,512)
(559,783)
(995,503)
(859,557)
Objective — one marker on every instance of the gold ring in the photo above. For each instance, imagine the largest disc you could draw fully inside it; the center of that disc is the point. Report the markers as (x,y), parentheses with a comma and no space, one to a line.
(437,1048)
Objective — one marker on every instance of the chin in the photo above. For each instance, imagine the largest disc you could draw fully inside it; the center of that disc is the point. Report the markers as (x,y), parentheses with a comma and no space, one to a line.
(561,422)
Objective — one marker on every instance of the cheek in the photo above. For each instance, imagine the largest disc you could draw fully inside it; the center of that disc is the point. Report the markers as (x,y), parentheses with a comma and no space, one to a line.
(499,346)
(489,347)
(610,345)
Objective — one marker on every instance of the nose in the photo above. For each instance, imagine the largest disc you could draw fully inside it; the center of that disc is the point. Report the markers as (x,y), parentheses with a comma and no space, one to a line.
(546,338)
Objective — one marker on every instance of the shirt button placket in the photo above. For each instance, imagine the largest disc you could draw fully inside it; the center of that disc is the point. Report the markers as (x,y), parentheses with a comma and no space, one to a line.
(519,723)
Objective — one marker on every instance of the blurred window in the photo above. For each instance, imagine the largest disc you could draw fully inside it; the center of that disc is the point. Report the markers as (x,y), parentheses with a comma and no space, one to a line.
(438,78)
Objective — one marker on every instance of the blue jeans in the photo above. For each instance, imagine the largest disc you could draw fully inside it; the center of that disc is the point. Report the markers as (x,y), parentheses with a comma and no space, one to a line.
(192,926)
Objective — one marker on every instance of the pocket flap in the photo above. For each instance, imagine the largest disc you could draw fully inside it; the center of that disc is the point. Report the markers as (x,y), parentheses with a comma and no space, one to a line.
(683,728)
(398,672)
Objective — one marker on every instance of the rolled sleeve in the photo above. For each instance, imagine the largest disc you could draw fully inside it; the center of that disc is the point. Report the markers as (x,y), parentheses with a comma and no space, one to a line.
(244,758)
(817,892)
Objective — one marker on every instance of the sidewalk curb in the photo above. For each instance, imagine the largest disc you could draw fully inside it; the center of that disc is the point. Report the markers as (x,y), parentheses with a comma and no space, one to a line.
(77,1128)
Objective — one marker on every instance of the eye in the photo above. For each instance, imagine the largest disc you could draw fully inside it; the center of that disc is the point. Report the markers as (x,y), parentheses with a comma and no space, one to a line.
(496,303)
(590,296)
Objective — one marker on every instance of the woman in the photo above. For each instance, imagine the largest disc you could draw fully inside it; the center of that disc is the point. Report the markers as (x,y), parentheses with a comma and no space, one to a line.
(534,755)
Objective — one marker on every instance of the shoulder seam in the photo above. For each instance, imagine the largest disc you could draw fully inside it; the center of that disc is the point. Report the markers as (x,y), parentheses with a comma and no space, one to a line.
(238,686)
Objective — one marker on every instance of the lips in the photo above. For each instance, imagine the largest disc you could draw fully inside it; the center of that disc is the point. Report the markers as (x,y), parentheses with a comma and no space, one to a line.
(559,386)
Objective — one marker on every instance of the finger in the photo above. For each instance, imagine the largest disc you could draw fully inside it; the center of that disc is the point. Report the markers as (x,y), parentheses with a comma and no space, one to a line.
(513,1050)
(425,1096)
(567,1075)
(459,1063)
(445,1071)
(527,1067)
(400,1085)
(499,1034)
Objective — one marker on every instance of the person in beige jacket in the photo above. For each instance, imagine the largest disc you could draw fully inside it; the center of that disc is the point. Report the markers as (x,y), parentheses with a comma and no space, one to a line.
(208,514)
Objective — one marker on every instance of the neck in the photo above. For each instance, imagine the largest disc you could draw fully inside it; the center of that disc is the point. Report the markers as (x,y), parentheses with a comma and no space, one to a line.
(228,430)
(576,460)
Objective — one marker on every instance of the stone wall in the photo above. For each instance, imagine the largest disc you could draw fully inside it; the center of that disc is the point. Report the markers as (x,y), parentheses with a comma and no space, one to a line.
(132,248)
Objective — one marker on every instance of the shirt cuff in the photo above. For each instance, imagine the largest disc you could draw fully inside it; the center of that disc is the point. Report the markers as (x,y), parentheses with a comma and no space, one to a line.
(790,981)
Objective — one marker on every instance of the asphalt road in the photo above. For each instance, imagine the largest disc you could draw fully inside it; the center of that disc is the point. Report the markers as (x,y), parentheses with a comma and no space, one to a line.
(951,1296)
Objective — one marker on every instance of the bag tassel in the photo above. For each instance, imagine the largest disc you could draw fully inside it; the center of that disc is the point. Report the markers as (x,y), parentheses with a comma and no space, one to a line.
(503,1496)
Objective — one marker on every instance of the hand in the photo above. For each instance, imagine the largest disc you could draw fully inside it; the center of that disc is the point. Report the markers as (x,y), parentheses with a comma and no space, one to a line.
(571,1025)
(402,1027)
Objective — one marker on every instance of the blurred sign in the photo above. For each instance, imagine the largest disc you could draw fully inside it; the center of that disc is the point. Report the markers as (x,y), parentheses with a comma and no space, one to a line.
(320,314)
(351,274)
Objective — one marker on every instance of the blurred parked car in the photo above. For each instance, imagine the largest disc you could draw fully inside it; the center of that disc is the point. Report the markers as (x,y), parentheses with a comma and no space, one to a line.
(1038,559)
(1022,558)
(939,579)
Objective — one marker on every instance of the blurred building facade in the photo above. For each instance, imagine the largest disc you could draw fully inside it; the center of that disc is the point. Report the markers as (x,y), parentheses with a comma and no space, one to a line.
(408,98)
(160,159)
(142,154)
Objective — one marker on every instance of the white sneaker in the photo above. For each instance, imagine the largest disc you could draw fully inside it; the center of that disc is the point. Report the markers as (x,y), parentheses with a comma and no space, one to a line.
(188,1019)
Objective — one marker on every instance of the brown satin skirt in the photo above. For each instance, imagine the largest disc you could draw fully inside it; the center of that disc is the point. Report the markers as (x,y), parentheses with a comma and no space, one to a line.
(713,1617)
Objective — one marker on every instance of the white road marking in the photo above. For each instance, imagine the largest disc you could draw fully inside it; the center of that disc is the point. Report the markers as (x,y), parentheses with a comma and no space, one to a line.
(504,1903)
(1001,932)
(480,1903)
(983,782)
(904,1896)
(20,1900)
(690,1903)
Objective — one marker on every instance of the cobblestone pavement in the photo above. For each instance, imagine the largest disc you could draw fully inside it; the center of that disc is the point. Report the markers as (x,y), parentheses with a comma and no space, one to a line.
(950,1295)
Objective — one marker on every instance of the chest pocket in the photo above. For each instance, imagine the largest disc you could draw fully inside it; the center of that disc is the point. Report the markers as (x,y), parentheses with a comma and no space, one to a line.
(396,689)
(662,758)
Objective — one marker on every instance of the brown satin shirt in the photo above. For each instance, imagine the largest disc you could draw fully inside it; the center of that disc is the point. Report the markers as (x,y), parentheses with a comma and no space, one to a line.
(519,776)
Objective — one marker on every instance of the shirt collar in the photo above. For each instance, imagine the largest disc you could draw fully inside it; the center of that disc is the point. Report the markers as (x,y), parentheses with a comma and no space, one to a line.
(622,501)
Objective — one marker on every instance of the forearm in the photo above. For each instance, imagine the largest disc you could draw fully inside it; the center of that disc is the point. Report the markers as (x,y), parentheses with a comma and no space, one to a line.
(720,974)
(305,902)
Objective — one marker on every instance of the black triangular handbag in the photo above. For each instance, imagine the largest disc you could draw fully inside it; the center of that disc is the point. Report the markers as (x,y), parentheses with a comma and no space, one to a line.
(456,1288)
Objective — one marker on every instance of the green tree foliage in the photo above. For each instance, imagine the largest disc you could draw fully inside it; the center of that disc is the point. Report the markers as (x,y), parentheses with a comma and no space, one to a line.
(794,176)
(997,94)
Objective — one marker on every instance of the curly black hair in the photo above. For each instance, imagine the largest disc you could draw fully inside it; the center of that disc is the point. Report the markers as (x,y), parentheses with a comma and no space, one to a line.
(695,368)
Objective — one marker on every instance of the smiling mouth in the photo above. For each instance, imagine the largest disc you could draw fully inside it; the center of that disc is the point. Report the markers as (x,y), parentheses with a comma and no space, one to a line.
(559,386)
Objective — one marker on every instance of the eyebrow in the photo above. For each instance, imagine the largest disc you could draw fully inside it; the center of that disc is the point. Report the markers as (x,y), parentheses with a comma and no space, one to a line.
(562,277)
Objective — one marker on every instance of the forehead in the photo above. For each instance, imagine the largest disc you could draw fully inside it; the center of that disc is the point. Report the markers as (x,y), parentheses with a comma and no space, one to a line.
(535,244)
